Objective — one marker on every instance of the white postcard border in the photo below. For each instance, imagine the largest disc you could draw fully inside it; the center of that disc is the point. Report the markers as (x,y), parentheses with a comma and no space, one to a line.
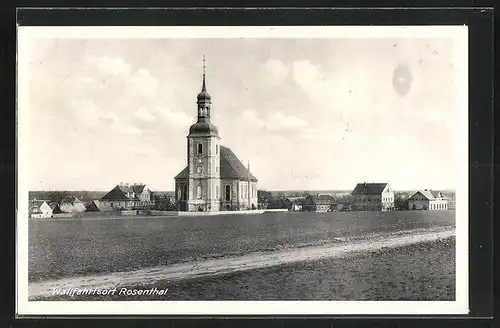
(459,306)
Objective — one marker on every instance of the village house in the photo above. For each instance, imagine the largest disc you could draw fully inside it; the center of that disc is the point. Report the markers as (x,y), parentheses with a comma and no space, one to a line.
(295,203)
(73,206)
(319,203)
(427,200)
(373,197)
(93,206)
(40,209)
(126,196)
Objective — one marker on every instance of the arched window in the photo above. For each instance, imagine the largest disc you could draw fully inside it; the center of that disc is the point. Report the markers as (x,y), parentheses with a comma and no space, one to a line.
(198,192)
(217,149)
(200,148)
(228,192)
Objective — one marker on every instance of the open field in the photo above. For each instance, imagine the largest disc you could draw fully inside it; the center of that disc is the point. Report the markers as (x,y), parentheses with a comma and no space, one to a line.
(421,271)
(78,247)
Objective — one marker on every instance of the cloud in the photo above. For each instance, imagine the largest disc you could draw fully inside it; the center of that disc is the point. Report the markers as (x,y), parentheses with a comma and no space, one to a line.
(110,65)
(175,119)
(144,115)
(124,127)
(90,115)
(309,77)
(278,120)
(143,82)
(251,118)
(277,71)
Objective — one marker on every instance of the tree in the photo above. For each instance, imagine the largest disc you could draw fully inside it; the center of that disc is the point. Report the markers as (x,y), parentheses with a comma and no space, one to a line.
(60,197)
(400,203)
(163,203)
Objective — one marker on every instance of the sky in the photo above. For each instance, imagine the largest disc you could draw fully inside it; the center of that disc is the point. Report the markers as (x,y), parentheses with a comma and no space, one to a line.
(309,114)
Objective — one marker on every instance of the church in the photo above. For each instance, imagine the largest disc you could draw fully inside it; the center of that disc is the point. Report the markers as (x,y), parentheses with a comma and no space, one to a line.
(214,178)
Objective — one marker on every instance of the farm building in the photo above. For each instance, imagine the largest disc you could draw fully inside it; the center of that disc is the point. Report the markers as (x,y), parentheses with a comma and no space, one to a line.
(373,197)
(93,206)
(427,200)
(74,206)
(296,203)
(214,178)
(127,196)
(40,209)
(319,203)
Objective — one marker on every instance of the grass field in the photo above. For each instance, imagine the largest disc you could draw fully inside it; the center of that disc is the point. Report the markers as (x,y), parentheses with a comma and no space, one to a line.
(419,272)
(78,247)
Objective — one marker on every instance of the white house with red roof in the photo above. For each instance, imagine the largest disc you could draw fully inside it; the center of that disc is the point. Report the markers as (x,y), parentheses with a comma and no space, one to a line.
(427,200)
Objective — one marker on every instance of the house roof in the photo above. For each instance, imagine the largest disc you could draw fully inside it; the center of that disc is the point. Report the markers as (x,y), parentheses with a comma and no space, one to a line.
(369,188)
(429,194)
(136,188)
(120,193)
(322,199)
(230,167)
(36,203)
(72,207)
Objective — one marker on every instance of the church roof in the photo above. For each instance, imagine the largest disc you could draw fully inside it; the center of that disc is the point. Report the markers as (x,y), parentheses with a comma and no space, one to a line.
(205,128)
(230,167)
(369,188)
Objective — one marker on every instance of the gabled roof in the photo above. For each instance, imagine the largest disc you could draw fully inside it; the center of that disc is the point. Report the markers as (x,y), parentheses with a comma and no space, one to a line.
(322,199)
(71,207)
(136,188)
(429,194)
(369,188)
(184,174)
(230,167)
(117,193)
(37,203)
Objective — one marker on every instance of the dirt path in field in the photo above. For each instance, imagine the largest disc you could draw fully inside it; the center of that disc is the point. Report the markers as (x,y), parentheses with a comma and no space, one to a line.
(233,264)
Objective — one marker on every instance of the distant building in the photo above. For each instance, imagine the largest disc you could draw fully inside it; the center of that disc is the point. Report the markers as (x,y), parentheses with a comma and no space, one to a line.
(319,203)
(373,197)
(296,203)
(126,196)
(40,209)
(427,200)
(214,178)
(93,206)
(73,206)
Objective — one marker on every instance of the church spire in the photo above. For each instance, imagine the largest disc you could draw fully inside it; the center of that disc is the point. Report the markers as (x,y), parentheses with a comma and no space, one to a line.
(204,99)
(204,86)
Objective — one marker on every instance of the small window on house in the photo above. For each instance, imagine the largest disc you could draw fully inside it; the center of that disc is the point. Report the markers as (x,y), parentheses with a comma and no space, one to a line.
(217,149)
(198,192)
(200,149)
(228,192)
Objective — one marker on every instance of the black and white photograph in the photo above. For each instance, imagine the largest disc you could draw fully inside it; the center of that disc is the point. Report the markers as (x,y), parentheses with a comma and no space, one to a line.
(242,170)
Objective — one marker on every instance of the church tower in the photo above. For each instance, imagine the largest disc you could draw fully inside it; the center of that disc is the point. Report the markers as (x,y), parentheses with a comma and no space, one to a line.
(203,153)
